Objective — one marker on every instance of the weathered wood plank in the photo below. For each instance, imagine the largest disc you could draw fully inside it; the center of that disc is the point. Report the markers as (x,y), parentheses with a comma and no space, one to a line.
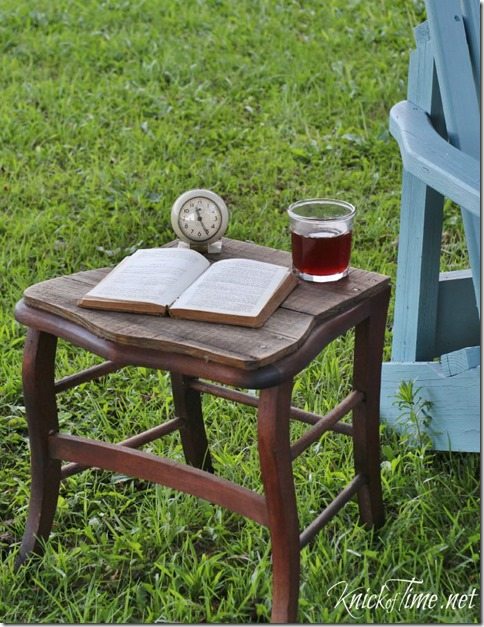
(223,343)
(323,300)
(282,334)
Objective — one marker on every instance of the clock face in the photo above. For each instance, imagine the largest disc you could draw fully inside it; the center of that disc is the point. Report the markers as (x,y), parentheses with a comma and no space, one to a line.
(200,219)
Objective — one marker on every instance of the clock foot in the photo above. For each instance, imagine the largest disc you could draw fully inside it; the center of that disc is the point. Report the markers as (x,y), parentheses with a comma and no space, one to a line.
(215,247)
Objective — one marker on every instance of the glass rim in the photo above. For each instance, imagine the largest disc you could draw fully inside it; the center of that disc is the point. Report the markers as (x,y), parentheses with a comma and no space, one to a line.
(349,213)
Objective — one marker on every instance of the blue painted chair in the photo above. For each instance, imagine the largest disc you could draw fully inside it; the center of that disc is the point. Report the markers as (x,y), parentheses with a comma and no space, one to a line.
(436,333)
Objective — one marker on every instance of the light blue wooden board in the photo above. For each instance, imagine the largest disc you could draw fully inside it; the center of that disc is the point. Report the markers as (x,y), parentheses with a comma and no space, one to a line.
(458,323)
(426,155)
(471,14)
(430,163)
(461,360)
(455,76)
(432,315)
(420,228)
(417,271)
(457,83)
(456,402)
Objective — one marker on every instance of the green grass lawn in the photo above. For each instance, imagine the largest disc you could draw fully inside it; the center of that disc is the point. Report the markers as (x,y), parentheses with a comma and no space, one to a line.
(109,110)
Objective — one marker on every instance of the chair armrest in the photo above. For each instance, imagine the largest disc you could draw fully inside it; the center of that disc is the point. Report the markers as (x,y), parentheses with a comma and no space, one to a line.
(430,158)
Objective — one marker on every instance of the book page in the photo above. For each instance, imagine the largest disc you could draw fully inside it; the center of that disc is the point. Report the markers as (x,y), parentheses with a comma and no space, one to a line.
(233,286)
(157,275)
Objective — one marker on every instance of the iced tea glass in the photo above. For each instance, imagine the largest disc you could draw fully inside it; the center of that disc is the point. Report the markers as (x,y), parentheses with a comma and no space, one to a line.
(321,230)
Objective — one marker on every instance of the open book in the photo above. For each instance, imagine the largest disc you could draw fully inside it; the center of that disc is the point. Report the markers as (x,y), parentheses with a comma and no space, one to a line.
(183,283)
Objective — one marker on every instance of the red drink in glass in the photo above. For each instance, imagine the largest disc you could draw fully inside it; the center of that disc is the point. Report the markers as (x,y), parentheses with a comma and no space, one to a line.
(321,238)
(321,253)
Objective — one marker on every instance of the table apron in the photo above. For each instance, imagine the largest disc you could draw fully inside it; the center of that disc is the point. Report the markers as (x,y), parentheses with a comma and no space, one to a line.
(266,376)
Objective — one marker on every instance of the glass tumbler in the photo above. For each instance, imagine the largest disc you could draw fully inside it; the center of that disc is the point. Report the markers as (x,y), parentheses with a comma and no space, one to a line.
(321,232)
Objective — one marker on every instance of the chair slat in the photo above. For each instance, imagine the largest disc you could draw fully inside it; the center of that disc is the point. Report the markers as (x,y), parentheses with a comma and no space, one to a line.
(454,70)
(471,14)
(452,48)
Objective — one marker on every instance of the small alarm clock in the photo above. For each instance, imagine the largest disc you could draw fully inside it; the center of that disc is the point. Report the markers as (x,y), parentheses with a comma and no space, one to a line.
(200,218)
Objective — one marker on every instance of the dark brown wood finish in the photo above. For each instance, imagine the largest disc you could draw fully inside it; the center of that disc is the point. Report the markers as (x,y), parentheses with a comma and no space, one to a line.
(159,470)
(253,401)
(136,441)
(266,359)
(89,374)
(188,408)
(369,340)
(40,405)
(325,423)
(332,509)
(276,471)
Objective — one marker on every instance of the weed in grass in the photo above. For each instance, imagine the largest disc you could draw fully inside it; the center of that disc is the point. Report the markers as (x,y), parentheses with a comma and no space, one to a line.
(415,420)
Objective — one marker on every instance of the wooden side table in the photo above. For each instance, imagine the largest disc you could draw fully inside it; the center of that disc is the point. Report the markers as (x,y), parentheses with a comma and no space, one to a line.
(200,357)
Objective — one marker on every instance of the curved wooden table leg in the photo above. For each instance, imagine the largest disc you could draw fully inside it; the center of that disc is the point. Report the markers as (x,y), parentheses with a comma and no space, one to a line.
(277,478)
(369,340)
(188,407)
(40,404)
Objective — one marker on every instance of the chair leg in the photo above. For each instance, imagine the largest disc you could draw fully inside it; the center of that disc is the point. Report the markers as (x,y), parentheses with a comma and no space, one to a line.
(369,340)
(277,478)
(40,404)
(188,408)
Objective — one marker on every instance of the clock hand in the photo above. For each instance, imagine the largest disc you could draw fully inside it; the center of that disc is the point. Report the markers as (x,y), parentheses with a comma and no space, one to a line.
(198,211)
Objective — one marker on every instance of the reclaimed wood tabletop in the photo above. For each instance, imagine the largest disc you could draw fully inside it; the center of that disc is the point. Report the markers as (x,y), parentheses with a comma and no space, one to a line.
(248,348)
